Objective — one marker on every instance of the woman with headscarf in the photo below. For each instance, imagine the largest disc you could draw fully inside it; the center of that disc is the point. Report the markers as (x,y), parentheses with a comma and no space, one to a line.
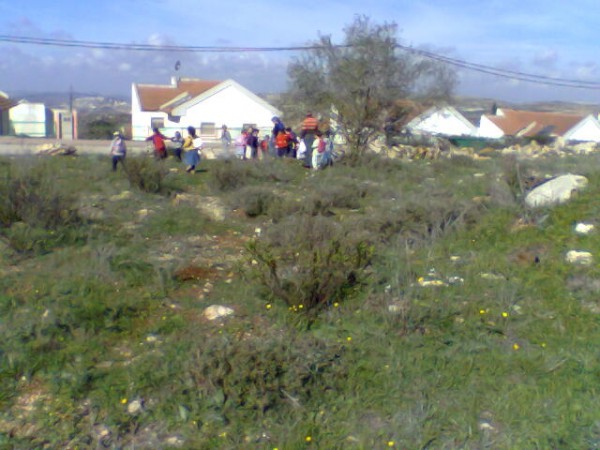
(191,145)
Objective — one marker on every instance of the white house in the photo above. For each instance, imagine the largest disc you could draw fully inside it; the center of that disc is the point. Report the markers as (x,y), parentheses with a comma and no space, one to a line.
(588,130)
(31,119)
(509,122)
(205,105)
(442,120)
(5,104)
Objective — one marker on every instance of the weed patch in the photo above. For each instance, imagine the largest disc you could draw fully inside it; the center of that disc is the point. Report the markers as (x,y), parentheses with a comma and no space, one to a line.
(309,263)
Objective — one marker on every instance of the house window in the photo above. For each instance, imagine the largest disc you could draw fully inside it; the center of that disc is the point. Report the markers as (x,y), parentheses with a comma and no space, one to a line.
(157,122)
(207,129)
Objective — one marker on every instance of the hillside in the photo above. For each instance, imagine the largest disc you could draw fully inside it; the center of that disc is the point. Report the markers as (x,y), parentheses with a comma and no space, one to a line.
(405,304)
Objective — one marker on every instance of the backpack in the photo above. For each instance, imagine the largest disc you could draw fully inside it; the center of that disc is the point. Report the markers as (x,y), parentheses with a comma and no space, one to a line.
(281,141)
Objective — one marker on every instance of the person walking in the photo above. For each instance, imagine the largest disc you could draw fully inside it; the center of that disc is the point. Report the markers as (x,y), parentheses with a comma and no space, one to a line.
(253,143)
(118,150)
(240,145)
(282,143)
(158,141)
(191,145)
(293,143)
(310,125)
(225,139)
(177,145)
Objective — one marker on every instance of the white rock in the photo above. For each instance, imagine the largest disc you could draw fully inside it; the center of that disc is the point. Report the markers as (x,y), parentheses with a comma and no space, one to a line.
(456,280)
(217,311)
(492,276)
(135,407)
(579,257)
(174,441)
(584,228)
(430,282)
(557,190)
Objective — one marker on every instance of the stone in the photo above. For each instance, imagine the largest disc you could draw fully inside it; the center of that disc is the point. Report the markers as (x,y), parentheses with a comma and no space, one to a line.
(135,407)
(584,228)
(579,257)
(122,196)
(555,191)
(214,312)
(174,441)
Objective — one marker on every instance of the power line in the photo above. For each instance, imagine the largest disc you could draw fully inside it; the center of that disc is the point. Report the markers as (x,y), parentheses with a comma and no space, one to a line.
(458,63)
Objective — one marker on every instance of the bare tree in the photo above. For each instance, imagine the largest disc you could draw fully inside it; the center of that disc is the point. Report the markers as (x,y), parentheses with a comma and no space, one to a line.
(359,82)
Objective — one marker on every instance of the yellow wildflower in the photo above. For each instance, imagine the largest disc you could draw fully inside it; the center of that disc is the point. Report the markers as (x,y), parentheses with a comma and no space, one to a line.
(504,314)
(516,346)
(308,439)
(123,401)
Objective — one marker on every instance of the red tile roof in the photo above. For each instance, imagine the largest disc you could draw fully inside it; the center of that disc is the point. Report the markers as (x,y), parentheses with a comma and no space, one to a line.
(7,103)
(532,123)
(153,96)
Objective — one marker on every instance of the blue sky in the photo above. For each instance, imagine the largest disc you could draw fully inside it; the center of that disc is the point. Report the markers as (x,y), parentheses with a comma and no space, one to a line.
(553,39)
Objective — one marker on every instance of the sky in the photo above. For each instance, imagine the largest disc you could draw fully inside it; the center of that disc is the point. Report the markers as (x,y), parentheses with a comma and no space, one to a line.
(546,38)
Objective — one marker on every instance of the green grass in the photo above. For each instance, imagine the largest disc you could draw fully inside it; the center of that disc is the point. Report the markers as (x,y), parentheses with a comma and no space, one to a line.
(105,315)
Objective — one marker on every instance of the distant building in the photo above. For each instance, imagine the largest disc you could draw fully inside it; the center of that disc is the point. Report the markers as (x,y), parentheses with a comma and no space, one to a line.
(5,104)
(31,119)
(205,105)
(441,120)
(532,124)
(65,124)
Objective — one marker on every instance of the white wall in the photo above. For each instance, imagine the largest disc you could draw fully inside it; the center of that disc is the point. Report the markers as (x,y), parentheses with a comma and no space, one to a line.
(489,129)
(588,130)
(28,119)
(230,106)
(444,122)
(141,120)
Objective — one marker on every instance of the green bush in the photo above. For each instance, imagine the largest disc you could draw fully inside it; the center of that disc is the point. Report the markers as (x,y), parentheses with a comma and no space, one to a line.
(230,175)
(36,214)
(309,262)
(256,201)
(263,373)
(146,174)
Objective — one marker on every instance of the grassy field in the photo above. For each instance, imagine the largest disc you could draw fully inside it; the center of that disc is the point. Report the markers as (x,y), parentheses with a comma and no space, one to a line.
(395,304)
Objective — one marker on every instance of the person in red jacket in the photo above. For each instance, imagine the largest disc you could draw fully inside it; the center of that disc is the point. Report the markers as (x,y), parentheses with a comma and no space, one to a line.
(282,141)
(158,140)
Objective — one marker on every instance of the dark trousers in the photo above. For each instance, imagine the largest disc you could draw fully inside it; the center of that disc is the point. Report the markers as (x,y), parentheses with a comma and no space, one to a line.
(115,160)
(309,138)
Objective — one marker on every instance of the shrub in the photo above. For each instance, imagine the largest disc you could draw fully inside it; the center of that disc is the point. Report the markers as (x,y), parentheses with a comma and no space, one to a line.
(421,218)
(33,197)
(261,374)
(309,262)
(145,174)
(255,200)
(35,214)
(230,175)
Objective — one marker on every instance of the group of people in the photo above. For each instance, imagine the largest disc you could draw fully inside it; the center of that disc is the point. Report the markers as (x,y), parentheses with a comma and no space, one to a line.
(186,150)
(311,146)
